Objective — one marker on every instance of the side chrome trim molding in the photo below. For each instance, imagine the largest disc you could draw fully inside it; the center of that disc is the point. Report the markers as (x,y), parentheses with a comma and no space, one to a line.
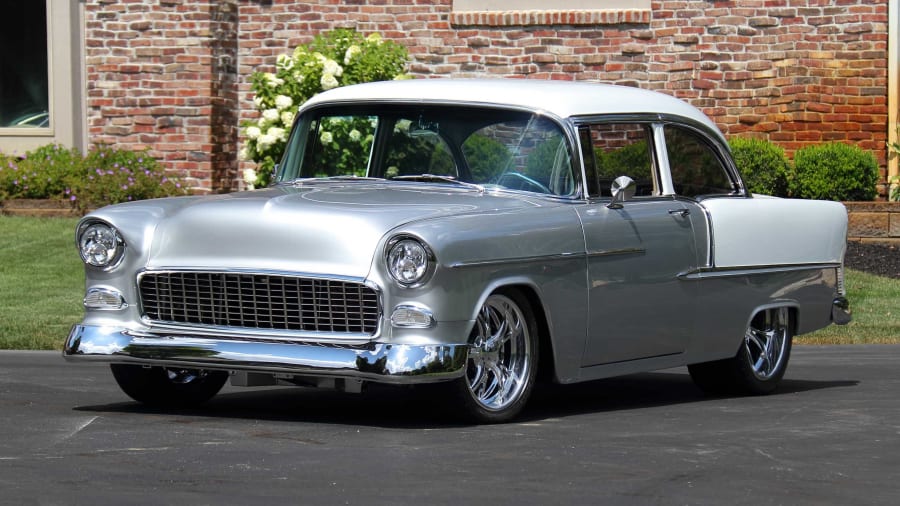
(518,260)
(614,252)
(728,272)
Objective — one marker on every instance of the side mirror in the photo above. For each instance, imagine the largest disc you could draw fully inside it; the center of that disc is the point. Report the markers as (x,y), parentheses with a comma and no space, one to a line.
(622,190)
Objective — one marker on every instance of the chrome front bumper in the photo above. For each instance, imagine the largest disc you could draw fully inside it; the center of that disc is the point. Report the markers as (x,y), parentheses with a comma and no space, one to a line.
(378,362)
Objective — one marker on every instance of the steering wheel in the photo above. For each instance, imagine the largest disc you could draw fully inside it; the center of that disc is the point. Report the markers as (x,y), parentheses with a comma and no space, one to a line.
(519,181)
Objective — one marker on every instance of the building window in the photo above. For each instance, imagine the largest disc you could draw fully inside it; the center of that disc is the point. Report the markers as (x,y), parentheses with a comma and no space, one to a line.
(24,74)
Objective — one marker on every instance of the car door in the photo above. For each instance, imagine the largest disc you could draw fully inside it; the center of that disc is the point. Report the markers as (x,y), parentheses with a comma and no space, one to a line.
(639,306)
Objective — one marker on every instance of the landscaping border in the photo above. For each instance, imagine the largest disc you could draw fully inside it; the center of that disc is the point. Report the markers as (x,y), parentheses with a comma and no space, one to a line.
(38,208)
(874,222)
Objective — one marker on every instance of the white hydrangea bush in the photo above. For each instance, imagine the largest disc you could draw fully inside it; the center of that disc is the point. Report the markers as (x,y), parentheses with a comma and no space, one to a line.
(337,58)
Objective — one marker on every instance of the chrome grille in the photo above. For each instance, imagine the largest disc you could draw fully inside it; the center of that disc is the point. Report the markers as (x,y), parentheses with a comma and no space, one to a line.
(259,301)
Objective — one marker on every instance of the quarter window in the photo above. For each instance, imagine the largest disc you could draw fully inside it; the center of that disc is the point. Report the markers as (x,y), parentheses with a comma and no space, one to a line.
(696,170)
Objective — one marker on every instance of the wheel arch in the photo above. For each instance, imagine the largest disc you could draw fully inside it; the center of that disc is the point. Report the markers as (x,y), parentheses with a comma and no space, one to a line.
(531,292)
(793,314)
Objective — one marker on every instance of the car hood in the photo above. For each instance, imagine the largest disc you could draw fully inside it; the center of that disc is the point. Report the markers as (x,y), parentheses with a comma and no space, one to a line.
(325,228)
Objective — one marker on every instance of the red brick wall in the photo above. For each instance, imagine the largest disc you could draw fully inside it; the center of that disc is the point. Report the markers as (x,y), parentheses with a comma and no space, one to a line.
(161,74)
(794,71)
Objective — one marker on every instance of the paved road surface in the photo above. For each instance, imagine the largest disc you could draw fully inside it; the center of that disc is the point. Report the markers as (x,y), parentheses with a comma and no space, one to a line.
(830,436)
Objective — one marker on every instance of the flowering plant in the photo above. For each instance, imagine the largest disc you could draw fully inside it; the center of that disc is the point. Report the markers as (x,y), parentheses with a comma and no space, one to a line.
(337,58)
(101,177)
(109,176)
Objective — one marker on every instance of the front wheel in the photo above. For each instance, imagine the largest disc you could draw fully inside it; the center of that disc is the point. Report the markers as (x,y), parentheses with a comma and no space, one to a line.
(502,363)
(168,387)
(759,364)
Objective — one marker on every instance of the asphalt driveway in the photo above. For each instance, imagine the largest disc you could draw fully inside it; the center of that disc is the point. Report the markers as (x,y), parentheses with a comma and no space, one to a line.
(831,435)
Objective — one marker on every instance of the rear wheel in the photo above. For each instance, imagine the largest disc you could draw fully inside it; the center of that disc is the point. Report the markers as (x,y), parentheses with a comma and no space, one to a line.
(502,363)
(759,364)
(168,387)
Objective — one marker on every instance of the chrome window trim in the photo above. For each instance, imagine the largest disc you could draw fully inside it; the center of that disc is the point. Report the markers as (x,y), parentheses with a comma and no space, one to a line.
(717,145)
(651,121)
(565,125)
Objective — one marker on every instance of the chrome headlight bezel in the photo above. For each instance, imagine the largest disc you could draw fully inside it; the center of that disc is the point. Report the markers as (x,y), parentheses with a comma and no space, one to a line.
(100,244)
(409,261)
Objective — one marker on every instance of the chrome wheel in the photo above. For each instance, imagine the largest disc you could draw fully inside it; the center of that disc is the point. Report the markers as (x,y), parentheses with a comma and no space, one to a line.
(499,365)
(765,342)
(501,368)
(760,362)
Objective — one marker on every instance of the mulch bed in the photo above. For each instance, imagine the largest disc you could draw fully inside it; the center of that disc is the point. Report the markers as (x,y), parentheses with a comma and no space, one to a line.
(878,259)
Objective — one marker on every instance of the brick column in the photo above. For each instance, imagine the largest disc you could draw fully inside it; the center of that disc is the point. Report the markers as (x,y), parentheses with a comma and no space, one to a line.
(161,74)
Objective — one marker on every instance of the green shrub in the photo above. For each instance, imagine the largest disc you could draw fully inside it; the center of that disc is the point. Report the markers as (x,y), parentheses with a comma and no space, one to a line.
(763,165)
(834,171)
(109,176)
(42,173)
(104,176)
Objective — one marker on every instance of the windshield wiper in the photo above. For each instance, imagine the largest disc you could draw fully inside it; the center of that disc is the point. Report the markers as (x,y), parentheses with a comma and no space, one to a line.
(438,178)
(301,180)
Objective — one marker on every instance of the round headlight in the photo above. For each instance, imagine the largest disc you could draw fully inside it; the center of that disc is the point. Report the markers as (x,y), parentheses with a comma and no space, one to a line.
(409,261)
(100,244)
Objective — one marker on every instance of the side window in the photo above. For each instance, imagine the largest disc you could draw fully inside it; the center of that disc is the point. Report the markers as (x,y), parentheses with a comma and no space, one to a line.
(622,149)
(696,169)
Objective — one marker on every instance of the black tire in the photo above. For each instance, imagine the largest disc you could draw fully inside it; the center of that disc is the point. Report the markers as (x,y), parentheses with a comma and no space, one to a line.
(503,361)
(168,387)
(760,362)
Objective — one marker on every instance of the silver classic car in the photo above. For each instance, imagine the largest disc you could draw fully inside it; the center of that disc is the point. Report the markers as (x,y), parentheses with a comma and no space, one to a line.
(477,235)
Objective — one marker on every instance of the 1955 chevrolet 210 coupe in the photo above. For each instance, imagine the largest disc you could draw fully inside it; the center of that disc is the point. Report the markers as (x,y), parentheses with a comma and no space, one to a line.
(480,234)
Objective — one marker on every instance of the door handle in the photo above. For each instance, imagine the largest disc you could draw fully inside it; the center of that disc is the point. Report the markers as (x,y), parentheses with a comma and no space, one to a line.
(681,212)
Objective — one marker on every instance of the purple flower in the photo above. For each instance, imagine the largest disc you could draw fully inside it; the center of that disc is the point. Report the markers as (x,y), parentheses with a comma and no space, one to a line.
(73,198)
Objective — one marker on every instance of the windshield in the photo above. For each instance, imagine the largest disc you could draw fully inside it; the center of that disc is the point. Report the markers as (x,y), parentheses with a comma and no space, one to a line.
(491,148)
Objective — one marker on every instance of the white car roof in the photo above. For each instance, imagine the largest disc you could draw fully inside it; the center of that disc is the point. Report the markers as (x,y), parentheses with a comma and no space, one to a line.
(561,98)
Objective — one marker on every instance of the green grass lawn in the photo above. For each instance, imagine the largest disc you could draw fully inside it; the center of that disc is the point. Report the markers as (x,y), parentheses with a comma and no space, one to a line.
(42,284)
(875,303)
